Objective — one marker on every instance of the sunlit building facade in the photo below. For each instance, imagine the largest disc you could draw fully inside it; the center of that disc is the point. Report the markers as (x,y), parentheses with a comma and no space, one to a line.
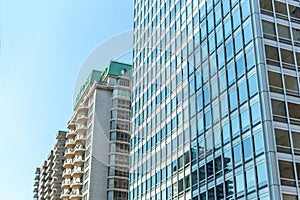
(97,154)
(215,100)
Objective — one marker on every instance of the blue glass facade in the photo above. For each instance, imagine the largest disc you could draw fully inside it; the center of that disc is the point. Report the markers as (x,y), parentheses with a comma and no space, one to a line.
(213,91)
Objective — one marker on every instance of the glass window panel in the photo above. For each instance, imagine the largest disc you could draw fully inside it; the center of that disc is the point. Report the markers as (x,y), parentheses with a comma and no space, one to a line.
(236,18)
(243,93)
(227,27)
(245,120)
(247,147)
(226,133)
(233,100)
(268,28)
(253,86)
(227,160)
(262,175)
(235,126)
(282,141)
(258,142)
(291,84)
(245,10)
(237,155)
(239,183)
(255,113)
(287,175)
(226,7)
(250,179)
(240,66)
(231,74)
(238,42)
(219,35)
(229,51)
(284,31)
(247,33)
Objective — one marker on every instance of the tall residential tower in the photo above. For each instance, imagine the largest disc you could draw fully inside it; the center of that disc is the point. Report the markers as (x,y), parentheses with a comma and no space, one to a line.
(97,154)
(216,104)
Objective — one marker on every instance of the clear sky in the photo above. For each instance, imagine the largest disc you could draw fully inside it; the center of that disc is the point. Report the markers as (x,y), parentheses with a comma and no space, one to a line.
(43,44)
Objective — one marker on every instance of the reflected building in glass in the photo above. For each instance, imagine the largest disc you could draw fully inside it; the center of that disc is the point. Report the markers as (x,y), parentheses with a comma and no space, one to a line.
(216,102)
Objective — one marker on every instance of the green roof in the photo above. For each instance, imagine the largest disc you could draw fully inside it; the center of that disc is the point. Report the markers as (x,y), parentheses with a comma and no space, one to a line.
(114,68)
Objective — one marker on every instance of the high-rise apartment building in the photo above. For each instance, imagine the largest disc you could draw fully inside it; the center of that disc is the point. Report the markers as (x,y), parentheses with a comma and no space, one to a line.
(48,177)
(216,102)
(97,154)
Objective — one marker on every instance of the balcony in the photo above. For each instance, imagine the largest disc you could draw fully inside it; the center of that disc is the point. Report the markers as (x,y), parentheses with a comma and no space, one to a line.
(78,161)
(75,194)
(82,109)
(79,150)
(71,134)
(81,119)
(71,125)
(81,129)
(77,172)
(67,173)
(65,194)
(80,139)
(69,153)
(35,189)
(36,183)
(76,185)
(66,184)
(70,143)
(68,163)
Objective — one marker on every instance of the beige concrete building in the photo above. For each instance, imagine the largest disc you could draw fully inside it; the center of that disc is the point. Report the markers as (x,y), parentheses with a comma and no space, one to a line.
(96,162)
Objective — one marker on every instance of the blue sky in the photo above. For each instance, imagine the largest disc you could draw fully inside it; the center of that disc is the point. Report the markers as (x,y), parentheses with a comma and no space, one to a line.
(43,44)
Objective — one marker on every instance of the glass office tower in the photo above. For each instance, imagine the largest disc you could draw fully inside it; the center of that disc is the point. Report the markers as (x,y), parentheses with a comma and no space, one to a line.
(216,102)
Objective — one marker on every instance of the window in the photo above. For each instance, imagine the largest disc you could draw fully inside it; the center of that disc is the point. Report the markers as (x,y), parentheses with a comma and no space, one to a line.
(289,197)
(236,18)
(291,84)
(247,149)
(227,27)
(258,143)
(226,133)
(226,7)
(284,32)
(250,179)
(278,108)
(272,55)
(219,35)
(245,120)
(262,175)
(239,184)
(282,141)
(245,10)
(238,42)
(233,100)
(227,160)
(296,142)
(217,139)
(237,155)
(255,113)
(235,126)
(240,66)
(247,33)
(269,29)
(253,86)
(275,82)
(243,93)
(287,176)
(229,51)
(231,74)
